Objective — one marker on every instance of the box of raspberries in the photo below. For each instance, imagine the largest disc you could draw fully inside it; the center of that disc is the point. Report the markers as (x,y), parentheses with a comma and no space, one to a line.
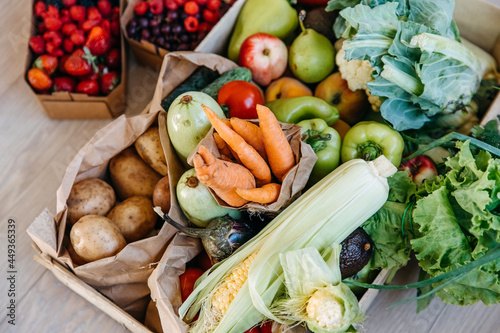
(76,62)
(155,27)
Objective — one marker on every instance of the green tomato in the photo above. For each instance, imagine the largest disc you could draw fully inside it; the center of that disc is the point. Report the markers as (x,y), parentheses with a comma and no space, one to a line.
(197,202)
(187,123)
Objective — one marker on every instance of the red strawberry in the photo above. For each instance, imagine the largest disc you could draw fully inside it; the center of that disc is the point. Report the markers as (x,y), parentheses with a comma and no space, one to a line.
(54,50)
(77,13)
(104,7)
(109,81)
(62,60)
(53,37)
(171,4)
(93,14)
(68,28)
(94,75)
(46,62)
(64,83)
(68,45)
(77,37)
(141,8)
(37,44)
(98,41)
(39,79)
(79,63)
(69,3)
(40,8)
(113,59)
(102,69)
(89,87)
(89,24)
(156,6)
(52,23)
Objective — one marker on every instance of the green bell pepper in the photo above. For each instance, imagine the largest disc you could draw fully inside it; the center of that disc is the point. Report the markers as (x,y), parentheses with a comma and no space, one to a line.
(325,141)
(295,109)
(369,139)
(274,17)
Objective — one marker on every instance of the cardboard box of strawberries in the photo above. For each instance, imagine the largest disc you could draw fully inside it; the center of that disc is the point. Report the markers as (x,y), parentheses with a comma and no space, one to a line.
(76,62)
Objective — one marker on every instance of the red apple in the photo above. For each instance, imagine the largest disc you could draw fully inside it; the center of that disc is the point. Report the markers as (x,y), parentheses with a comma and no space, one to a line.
(265,55)
(419,169)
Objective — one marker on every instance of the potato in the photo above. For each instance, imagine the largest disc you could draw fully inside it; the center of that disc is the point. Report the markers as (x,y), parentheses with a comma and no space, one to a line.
(95,237)
(149,147)
(91,196)
(131,176)
(161,194)
(134,217)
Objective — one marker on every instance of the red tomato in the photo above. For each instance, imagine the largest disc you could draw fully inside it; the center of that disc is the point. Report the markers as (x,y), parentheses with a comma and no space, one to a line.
(267,327)
(187,281)
(254,329)
(202,261)
(241,97)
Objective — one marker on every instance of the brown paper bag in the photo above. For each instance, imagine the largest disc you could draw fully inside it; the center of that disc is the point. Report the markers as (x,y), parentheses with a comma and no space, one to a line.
(164,281)
(122,278)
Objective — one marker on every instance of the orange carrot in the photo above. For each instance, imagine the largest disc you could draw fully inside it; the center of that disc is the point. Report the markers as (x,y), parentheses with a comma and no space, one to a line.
(251,133)
(221,145)
(223,177)
(227,122)
(248,155)
(279,152)
(264,195)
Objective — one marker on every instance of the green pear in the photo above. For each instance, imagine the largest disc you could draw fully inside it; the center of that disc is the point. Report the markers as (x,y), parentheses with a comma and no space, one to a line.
(311,56)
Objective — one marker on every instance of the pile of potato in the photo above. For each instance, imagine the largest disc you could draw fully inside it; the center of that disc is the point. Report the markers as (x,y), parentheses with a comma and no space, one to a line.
(103,218)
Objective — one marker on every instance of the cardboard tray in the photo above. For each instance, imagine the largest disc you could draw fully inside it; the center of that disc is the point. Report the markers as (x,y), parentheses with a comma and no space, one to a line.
(486,36)
(64,105)
(151,55)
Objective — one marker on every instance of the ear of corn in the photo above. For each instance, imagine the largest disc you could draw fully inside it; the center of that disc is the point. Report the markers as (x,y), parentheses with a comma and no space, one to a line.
(326,214)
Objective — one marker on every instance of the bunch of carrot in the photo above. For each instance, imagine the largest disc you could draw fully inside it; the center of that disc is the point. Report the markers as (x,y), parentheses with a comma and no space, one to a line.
(259,152)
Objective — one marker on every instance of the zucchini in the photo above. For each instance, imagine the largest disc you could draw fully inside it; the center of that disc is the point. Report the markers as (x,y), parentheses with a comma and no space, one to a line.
(200,78)
(235,74)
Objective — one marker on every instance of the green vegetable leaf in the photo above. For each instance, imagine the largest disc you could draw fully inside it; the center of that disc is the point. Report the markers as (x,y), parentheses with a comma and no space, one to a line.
(391,249)
(488,133)
(401,187)
(437,15)
(340,4)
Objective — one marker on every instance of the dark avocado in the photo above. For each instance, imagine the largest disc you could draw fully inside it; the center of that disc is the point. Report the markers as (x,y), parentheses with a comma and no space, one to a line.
(356,251)
(321,21)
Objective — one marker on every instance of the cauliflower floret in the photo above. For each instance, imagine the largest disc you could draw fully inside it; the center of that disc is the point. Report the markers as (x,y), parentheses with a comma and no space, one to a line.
(357,73)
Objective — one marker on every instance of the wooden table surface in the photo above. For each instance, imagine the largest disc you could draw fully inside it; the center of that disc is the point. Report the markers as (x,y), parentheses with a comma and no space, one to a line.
(35,151)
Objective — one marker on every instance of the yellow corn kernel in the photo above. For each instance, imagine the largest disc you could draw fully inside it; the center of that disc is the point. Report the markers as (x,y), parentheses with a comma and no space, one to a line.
(230,286)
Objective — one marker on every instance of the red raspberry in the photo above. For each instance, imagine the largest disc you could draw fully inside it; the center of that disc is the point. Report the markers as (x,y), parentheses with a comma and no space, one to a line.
(180,2)
(52,23)
(42,28)
(68,28)
(191,24)
(156,6)
(52,11)
(53,37)
(68,45)
(106,25)
(210,16)
(89,24)
(205,27)
(53,50)
(93,14)
(77,13)
(77,37)
(141,8)
(104,7)
(213,5)
(65,18)
(40,8)
(171,4)
(201,2)
(69,3)
(191,8)
(37,44)
(115,28)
